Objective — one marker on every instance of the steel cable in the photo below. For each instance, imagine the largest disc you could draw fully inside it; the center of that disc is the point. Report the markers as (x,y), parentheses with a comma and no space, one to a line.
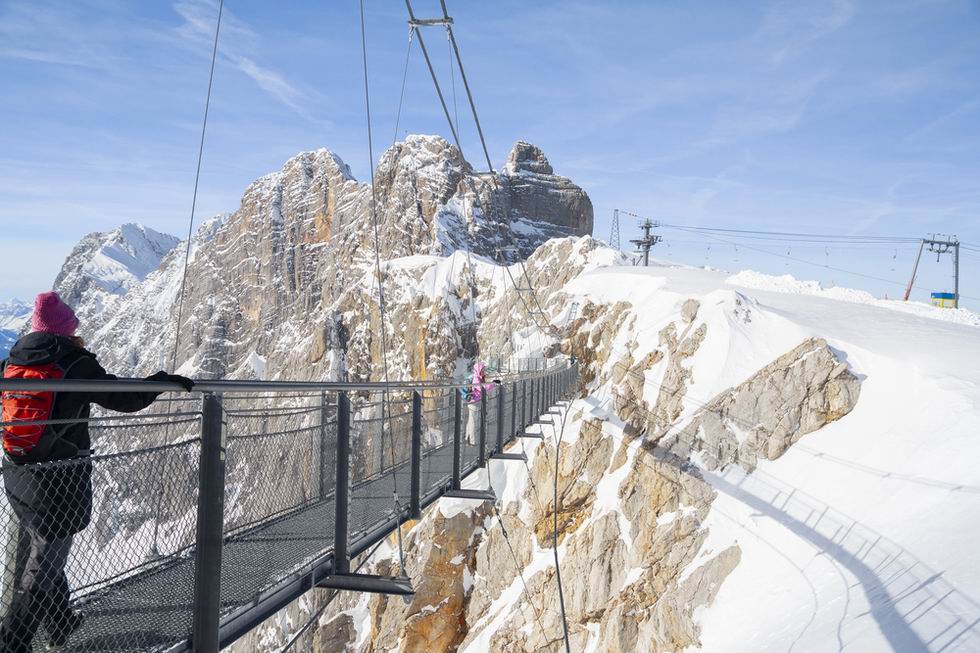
(197,179)
(381,296)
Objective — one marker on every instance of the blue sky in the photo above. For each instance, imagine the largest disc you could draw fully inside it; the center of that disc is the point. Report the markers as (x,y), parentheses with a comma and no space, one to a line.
(837,116)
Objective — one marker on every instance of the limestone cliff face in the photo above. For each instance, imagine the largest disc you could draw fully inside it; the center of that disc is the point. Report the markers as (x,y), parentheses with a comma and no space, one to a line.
(536,191)
(285,285)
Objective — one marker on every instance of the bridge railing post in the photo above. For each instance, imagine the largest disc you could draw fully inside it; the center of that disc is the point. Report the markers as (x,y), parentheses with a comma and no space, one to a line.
(523,405)
(457,437)
(341,540)
(500,418)
(530,402)
(324,418)
(483,429)
(210,525)
(416,499)
(513,412)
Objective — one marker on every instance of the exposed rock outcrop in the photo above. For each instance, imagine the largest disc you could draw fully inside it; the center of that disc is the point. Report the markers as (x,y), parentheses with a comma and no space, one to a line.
(536,191)
(796,394)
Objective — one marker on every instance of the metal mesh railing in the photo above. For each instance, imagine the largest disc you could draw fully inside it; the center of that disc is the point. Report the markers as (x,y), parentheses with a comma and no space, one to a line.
(187,517)
(79,532)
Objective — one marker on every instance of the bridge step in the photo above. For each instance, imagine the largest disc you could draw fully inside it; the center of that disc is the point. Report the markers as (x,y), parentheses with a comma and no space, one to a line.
(475,495)
(398,585)
(509,456)
(553,411)
(531,436)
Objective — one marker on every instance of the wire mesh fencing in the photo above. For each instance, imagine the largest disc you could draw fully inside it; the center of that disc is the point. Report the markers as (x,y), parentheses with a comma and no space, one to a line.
(81,532)
(186,517)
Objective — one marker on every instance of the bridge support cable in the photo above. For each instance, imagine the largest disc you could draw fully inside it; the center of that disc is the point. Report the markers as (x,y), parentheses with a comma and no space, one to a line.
(415,24)
(197,179)
(554,533)
(316,615)
(520,572)
(382,308)
(466,84)
(190,234)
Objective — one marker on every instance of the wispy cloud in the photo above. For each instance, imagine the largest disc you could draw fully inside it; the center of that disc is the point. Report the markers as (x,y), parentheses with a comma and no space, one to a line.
(45,33)
(963,109)
(198,31)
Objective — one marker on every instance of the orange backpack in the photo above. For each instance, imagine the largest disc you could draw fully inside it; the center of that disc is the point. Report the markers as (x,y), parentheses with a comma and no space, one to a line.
(27,406)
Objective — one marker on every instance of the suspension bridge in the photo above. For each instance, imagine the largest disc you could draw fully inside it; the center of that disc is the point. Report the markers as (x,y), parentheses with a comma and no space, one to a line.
(238,498)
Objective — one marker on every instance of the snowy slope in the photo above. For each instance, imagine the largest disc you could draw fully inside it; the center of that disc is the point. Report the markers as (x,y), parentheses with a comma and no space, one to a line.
(863,534)
(14,316)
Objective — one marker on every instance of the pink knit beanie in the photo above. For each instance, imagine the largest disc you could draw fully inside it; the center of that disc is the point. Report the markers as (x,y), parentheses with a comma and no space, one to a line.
(51,315)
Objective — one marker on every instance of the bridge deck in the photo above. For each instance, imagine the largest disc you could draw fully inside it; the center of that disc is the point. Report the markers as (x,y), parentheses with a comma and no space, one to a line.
(153,611)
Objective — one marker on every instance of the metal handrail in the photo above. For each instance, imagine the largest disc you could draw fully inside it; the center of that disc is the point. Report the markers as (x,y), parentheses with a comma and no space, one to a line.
(231,386)
(503,412)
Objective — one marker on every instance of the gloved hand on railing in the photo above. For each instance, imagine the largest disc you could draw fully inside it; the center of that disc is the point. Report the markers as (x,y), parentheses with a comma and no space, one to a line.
(188,384)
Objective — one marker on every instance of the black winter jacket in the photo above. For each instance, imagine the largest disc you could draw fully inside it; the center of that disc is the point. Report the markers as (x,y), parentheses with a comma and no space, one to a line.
(56,498)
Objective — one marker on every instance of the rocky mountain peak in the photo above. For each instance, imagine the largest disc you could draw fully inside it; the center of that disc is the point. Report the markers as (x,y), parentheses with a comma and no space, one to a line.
(106,265)
(525,157)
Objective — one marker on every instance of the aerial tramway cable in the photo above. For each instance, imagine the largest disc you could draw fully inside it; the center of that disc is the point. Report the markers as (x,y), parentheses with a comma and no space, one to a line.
(197,179)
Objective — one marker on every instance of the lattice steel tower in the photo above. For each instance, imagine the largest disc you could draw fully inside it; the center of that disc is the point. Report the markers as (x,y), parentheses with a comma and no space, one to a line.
(614,234)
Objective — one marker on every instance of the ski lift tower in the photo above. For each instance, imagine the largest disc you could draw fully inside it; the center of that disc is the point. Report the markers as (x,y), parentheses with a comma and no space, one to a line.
(649,240)
(940,244)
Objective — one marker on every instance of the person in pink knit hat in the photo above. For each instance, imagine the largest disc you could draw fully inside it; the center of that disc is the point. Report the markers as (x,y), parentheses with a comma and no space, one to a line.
(51,502)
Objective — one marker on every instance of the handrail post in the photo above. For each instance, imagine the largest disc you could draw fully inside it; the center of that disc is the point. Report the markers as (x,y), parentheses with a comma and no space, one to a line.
(500,418)
(341,540)
(324,417)
(483,429)
(523,404)
(513,412)
(530,403)
(457,439)
(416,499)
(210,526)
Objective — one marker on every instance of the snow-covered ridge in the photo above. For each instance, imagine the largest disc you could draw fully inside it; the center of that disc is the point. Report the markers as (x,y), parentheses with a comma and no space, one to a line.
(125,256)
(787,283)
(106,265)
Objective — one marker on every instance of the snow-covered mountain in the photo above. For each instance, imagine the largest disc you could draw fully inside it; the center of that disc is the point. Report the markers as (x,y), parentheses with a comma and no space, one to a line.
(15,315)
(106,265)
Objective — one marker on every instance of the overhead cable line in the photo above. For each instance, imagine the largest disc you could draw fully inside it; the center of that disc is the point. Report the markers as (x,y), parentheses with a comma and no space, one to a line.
(813,263)
(793,234)
(197,179)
